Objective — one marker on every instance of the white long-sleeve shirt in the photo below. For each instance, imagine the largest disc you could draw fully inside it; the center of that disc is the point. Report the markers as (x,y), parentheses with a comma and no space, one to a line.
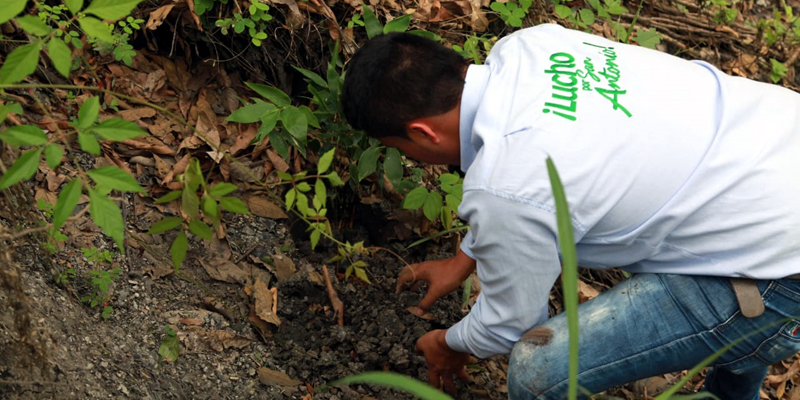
(669,166)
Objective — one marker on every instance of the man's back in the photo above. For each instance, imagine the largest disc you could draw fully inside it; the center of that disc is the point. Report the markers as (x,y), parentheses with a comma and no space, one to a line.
(669,165)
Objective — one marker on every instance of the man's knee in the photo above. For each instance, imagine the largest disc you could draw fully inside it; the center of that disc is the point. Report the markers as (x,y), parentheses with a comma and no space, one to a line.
(528,372)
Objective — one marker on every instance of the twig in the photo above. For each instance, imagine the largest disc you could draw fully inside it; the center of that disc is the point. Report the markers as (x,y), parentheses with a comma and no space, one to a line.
(792,58)
(245,254)
(338,306)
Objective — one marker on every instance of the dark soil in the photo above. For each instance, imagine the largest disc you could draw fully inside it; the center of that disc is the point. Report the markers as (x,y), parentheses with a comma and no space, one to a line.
(222,354)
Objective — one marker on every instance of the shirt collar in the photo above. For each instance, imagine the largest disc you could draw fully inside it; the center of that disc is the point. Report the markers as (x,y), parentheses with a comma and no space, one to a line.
(476,80)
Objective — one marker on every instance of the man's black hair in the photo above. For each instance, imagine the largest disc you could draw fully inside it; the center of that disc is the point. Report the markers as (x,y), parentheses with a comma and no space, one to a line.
(397,78)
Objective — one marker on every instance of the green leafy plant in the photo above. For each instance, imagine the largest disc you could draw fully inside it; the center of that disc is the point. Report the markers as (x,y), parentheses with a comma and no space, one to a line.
(723,10)
(200,210)
(351,253)
(54,31)
(781,27)
(569,274)
(120,47)
(431,202)
(297,195)
(170,346)
(399,24)
(512,12)
(103,209)
(274,107)
(99,293)
(255,19)
(65,277)
(778,70)
(607,10)
(94,255)
(476,48)
(54,235)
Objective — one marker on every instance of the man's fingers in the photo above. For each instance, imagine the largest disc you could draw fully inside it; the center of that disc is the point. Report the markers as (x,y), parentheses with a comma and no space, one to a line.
(427,301)
(406,276)
(433,377)
(402,280)
(449,384)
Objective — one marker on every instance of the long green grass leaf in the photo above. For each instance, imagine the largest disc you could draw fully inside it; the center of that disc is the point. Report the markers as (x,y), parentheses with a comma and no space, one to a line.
(708,360)
(374,27)
(396,381)
(569,275)
(436,235)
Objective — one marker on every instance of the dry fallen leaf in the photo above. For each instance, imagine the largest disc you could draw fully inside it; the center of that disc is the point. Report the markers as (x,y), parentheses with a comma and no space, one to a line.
(158,16)
(162,167)
(149,143)
(586,292)
(54,181)
(243,139)
(196,340)
(263,304)
(271,377)
(177,169)
(284,266)
(191,321)
(263,207)
(159,270)
(136,114)
(418,312)
(277,161)
(225,271)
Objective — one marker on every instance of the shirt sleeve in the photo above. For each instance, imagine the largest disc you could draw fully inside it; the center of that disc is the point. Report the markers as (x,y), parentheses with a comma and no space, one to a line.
(514,244)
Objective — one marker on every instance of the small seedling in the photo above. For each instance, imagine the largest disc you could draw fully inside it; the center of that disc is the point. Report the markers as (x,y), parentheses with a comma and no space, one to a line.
(100,282)
(778,70)
(96,256)
(169,349)
(64,278)
(348,253)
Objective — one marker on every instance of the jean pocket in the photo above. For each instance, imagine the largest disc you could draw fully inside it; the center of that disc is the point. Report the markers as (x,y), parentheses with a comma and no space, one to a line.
(780,346)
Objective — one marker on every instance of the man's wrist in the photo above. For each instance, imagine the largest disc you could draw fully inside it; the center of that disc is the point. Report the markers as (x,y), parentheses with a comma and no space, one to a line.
(441,339)
(464,264)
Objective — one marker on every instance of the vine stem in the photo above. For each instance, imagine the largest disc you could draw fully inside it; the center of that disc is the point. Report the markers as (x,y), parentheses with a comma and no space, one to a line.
(392,253)
(96,89)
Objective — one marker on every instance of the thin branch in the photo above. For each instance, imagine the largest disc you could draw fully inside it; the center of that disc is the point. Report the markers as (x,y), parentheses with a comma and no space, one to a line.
(30,231)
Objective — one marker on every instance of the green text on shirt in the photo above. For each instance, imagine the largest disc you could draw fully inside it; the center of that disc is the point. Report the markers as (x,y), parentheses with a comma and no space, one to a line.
(565,78)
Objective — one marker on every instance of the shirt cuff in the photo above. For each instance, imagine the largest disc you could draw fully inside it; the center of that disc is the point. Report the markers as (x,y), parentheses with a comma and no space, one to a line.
(466,242)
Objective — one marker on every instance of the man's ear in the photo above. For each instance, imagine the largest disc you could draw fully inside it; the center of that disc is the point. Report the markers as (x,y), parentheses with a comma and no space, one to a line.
(422,130)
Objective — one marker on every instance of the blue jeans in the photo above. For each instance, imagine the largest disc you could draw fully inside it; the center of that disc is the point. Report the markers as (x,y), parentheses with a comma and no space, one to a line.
(655,324)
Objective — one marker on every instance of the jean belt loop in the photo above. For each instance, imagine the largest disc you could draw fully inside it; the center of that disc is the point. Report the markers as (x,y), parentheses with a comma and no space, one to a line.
(748,296)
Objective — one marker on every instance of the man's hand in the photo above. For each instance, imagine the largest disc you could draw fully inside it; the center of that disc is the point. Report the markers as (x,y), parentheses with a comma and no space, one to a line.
(442,277)
(443,362)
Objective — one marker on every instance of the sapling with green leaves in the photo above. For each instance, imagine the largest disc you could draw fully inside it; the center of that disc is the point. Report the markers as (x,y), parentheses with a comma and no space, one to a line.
(100,282)
(431,203)
(198,209)
(512,12)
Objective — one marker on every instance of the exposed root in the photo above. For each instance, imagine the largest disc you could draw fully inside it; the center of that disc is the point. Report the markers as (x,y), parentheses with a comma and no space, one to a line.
(338,306)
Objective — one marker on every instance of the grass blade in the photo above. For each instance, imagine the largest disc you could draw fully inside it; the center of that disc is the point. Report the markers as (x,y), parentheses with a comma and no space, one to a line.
(569,275)
(395,381)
